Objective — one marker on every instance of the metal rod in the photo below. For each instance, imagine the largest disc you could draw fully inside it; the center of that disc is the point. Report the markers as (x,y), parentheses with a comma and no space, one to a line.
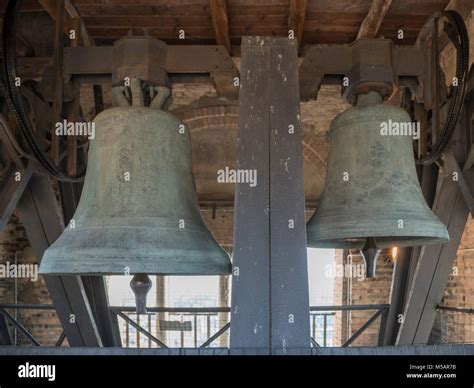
(349,307)
(383,327)
(140,329)
(362,328)
(173,309)
(27,306)
(60,340)
(195,331)
(325,324)
(20,327)
(216,335)
(196,309)
(315,344)
(455,309)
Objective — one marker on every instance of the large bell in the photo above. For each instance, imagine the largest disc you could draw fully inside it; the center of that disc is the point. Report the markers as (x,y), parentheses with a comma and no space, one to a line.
(138,213)
(372,198)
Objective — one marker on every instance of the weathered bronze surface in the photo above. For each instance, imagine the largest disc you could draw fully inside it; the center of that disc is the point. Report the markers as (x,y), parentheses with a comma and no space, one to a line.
(372,189)
(138,212)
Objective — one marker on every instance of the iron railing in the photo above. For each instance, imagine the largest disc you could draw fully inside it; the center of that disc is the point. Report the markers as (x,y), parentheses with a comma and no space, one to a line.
(453,325)
(321,322)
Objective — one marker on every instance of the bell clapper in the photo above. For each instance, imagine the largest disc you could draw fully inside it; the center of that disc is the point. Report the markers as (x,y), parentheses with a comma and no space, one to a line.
(370,253)
(140,285)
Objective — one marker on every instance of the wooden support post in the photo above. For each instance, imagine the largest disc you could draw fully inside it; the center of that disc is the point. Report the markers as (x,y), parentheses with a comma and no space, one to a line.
(94,286)
(397,295)
(433,268)
(107,323)
(12,186)
(270,297)
(435,262)
(41,217)
(406,262)
(15,179)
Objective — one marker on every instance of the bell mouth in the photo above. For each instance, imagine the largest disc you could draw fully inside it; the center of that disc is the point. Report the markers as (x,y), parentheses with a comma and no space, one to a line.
(381,242)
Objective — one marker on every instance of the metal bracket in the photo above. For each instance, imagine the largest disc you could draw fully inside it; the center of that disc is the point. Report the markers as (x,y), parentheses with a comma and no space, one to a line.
(367,63)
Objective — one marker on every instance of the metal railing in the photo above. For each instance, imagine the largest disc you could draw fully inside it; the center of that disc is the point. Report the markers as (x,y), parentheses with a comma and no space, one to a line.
(322,323)
(453,325)
(381,310)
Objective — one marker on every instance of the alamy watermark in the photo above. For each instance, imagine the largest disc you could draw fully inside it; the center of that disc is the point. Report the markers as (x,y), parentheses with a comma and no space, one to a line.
(400,128)
(15,271)
(231,175)
(354,271)
(73,128)
(32,371)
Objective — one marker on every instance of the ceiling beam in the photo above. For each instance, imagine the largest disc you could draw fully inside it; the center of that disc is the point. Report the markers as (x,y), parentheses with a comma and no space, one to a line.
(72,13)
(374,18)
(221,23)
(71,10)
(296,18)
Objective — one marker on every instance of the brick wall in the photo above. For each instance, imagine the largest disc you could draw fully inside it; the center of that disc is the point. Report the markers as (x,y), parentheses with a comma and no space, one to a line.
(452,326)
(43,324)
(357,290)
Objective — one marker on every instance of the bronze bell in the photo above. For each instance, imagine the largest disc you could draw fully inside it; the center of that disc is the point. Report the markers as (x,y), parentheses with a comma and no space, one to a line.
(372,198)
(138,213)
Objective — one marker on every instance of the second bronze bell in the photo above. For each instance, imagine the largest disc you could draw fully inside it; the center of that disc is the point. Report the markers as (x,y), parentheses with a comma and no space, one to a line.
(372,197)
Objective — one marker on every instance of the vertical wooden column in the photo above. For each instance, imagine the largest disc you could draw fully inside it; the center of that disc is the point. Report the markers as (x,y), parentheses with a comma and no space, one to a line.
(270,296)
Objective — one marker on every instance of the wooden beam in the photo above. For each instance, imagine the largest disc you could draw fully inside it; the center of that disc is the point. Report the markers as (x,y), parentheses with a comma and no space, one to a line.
(397,294)
(94,286)
(5,339)
(40,215)
(451,204)
(270,306)
(296,18)
(371,24)
(434,267)
(15,179)
(220,22)
(12,185)
(50,7)
(86,39)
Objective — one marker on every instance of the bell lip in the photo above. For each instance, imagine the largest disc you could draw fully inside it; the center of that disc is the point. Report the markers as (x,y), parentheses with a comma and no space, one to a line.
(381,242)
(77,265)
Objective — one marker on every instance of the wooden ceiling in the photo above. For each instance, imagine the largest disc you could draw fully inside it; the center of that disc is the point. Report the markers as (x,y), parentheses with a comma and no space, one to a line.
(316,21)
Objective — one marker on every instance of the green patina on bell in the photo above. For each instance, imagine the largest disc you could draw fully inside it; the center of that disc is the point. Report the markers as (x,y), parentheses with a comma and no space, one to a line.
(372,189)
(138,212)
